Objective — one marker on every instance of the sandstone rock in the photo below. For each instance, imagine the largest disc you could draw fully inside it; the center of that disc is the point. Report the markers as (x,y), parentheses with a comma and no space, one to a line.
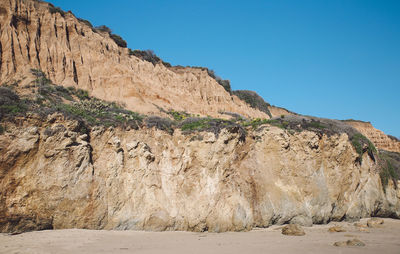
(71,53)
(158,181)
(354,242)
(293,229)
(379,138)
(360,225)
(375,223)
(336,229)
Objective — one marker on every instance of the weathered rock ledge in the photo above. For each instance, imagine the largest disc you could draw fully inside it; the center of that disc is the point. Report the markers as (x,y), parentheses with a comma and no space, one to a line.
(53,176)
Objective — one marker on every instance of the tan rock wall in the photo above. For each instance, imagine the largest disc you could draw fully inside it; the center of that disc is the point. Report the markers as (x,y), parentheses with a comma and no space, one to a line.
(278,111)
(54,177)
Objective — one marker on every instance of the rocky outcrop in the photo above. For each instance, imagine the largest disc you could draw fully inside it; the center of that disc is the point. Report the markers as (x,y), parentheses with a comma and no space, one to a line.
(293,230)
(71,53)
(379,138)
(54,175)
(354,243)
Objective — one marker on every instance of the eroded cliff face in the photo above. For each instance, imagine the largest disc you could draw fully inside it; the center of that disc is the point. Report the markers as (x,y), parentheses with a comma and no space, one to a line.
(278,111)
(72,54)
(53,176)
(56,173)
(379,138)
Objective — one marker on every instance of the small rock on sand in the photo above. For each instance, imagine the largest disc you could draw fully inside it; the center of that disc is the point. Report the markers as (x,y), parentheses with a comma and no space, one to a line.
(375,223)
(293,229)
(336,229)
(353,242)
(360,225)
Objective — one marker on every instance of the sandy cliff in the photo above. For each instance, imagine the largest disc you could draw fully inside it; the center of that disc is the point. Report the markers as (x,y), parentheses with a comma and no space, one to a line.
(52,176)
(379,138)
(56,172)
(71,53)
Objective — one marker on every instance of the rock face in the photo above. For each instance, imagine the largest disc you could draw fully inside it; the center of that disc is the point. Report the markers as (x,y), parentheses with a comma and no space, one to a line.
(379,138)
(71,53)
(56,174)
(53,176)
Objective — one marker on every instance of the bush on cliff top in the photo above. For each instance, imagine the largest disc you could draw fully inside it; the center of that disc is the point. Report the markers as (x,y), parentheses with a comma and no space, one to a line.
(226,84)
(254,100)
(116,38)
(53,9)
(214,125)
(149,56)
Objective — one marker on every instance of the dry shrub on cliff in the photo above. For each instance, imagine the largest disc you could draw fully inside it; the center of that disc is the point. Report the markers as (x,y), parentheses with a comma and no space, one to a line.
(254,100)
(149,56)
(86,22)
(226,84)
(160,123)
(116,38)
(393,138)
(214,125)
(53,9)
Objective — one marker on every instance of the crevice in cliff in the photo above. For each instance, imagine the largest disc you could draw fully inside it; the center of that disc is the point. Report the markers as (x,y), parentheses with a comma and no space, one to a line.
(13,54)
(37,41)
(49,58)
(75,72)
(15,7)
(67,36)
(19,45)
(90,82)
(1,55)
(55,28)
(64,61)
(28,39)
(28,50)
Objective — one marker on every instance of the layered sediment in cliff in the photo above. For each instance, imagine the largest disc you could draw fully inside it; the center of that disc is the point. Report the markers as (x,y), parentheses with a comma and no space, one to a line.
(53,176)
(378,137)
(56,172)
(72,53)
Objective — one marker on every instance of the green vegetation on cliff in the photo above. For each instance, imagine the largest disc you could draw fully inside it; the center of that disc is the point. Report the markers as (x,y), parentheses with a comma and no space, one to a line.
(389,164)
(46,98)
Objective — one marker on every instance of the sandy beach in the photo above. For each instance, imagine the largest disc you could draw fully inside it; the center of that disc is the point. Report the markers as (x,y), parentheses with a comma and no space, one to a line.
(385,239)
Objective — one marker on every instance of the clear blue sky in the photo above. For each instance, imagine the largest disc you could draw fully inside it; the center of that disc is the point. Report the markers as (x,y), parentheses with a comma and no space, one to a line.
(337,59)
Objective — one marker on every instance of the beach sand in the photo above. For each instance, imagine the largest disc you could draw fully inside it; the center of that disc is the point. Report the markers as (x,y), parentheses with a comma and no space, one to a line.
(385,239)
